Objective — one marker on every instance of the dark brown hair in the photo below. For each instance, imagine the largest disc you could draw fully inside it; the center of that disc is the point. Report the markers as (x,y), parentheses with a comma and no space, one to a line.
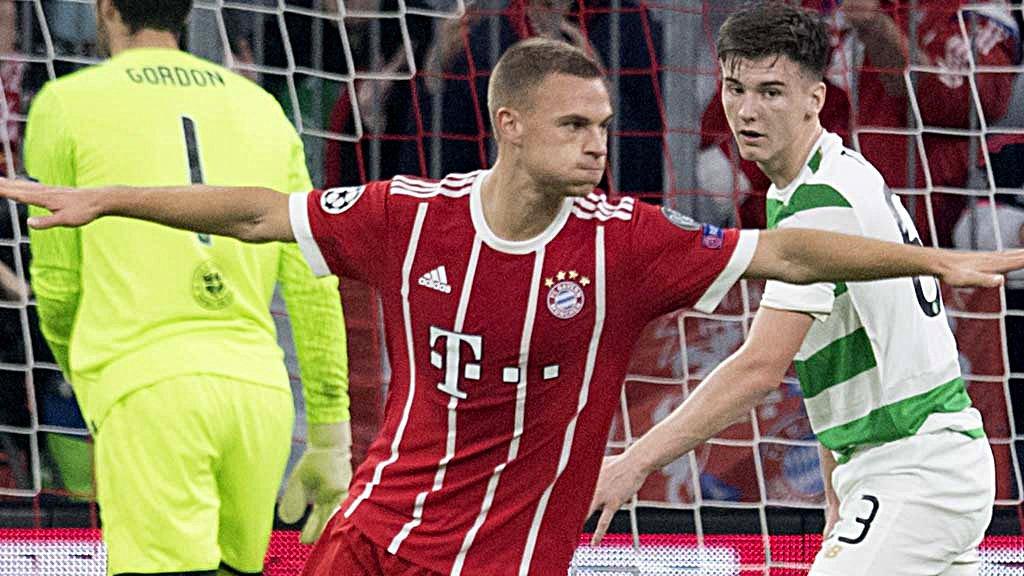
(168,15)
(766,29)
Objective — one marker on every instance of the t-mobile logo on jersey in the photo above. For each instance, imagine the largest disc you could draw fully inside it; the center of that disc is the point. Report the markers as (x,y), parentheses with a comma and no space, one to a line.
(451,361)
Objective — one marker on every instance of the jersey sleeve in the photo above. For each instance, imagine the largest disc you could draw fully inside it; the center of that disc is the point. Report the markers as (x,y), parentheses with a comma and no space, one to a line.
(318,330)
(683,264)
(343,231)
(810,207)
(56,253)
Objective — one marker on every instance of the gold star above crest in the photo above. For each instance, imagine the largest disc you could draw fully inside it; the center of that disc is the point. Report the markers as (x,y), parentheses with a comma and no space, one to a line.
(572,274)
(560,275)
(584,281)
(549,282)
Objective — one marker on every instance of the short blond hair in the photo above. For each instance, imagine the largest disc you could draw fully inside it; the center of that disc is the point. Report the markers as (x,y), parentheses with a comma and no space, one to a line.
(527,63)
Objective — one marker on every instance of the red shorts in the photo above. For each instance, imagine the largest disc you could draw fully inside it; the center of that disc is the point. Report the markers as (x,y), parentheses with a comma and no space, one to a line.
(344,550)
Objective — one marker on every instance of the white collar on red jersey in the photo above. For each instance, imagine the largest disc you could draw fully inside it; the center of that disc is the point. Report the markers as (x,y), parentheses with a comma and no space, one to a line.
(476,210)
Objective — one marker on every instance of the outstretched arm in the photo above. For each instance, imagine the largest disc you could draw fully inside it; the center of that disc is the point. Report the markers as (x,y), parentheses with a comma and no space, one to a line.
(804,256)
(727,395)
(250,214)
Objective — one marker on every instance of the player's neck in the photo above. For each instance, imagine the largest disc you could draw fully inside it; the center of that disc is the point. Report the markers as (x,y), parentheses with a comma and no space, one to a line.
(144,38)
(786,166)
(513,206)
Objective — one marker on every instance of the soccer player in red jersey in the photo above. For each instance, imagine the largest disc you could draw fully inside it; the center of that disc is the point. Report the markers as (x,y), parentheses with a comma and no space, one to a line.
(512,299)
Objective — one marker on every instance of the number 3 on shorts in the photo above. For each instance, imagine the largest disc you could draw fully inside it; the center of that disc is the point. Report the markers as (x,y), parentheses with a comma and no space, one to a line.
(864,521)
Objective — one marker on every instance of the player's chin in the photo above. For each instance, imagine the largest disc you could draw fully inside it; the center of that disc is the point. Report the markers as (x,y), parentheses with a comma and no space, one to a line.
(581,188)
(751,153)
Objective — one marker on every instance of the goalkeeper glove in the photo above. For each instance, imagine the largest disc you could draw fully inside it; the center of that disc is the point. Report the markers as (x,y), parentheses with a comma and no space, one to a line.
(321,477)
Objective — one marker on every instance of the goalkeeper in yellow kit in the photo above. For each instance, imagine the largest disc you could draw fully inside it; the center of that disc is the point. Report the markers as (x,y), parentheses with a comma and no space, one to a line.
(166,336)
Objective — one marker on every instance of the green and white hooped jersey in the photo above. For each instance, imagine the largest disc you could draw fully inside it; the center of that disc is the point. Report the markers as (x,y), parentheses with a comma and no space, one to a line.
(880,362)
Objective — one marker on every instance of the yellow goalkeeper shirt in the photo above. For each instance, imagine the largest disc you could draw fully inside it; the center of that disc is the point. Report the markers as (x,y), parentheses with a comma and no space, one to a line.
(125,303)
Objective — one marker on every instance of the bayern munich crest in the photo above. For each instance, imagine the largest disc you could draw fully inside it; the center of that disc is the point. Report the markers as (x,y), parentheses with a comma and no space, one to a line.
(566,297)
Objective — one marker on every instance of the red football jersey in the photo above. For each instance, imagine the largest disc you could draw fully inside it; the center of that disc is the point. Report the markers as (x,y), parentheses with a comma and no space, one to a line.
(507,357)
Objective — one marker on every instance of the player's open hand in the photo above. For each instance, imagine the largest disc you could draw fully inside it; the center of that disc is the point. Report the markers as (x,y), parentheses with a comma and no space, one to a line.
(68,206)
(320,478)
(619,480)
(982,269)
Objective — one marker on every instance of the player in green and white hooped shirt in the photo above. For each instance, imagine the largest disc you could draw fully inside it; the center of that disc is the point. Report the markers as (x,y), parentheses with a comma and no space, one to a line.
(166,336)
(913,489)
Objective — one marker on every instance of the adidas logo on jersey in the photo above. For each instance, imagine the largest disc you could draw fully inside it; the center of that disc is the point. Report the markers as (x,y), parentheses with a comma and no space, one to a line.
(436,279)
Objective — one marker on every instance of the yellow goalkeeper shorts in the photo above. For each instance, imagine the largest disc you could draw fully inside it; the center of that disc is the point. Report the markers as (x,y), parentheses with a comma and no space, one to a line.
(187,474)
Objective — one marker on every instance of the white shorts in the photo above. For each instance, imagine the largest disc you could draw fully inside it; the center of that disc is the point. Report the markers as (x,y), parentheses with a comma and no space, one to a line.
(914,507)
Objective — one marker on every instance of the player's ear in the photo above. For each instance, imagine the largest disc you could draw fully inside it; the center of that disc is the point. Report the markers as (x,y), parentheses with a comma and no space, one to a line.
(508,125)
(816,97)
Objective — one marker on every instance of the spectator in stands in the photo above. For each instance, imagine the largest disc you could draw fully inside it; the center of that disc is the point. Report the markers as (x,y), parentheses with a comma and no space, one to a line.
(640,127)
(208,29)
(295,45)
(383,104)
(872,50)
(72,27)
(976,230)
